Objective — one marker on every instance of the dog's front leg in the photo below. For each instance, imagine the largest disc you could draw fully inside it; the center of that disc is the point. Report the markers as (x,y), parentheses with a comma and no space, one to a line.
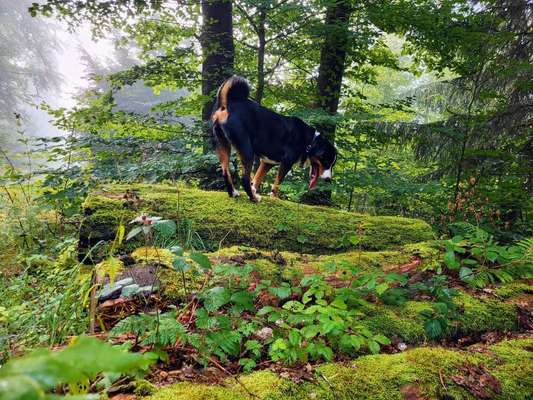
(282,172)
(260,174)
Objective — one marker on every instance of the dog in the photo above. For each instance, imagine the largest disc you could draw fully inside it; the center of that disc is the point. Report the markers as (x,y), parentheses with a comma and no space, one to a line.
(254,130)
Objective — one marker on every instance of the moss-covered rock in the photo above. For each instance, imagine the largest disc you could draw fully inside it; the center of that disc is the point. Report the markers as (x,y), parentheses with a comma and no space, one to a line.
(426,371)
(214,219)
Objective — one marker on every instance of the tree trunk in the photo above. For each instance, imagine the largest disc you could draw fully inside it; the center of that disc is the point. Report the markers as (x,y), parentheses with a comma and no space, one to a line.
(218,52)
(333,61)
(330,72)
(261,56)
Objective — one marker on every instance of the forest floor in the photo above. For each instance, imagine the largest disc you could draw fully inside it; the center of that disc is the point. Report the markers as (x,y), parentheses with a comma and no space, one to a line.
(481,350)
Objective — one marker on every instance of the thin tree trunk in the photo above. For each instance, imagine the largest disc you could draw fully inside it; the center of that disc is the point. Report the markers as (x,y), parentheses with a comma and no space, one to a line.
(261,56)
(218,52)
(353,187)
(333,60)
(330,72)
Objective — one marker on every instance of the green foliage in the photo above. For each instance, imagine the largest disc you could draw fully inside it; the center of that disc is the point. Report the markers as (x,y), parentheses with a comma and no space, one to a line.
(479,260)
(37,374)
(161,330)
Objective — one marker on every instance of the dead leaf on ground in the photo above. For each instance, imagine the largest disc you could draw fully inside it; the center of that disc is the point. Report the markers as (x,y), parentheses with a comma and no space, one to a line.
(412,392)
(477,380)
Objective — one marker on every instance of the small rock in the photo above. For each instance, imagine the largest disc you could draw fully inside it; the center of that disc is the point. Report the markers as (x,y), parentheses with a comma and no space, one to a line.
(401,346)
(147,290)
(130,290)
(264,333)
(109,292)
(124,282)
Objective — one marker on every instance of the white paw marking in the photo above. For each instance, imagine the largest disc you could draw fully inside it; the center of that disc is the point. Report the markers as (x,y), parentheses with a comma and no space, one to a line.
(257,198)
(235,193)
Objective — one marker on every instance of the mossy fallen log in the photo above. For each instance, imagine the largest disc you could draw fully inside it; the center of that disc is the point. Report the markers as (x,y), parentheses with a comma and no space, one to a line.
(213,220)
(417,373)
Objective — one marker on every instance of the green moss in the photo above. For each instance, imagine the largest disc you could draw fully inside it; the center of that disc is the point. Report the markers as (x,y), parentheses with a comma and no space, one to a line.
(401,322)
(476,316)
(273,223)
(513,290)
(482,315)
(380,377)
(144,388)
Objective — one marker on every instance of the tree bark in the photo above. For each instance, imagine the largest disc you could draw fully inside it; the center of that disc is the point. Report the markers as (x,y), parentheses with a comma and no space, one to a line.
(218,52)
(261,56)
(330,73)
(333,61)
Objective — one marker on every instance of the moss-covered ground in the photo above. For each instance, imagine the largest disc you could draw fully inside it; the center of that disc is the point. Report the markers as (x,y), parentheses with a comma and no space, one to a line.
(425,371)
(286,241)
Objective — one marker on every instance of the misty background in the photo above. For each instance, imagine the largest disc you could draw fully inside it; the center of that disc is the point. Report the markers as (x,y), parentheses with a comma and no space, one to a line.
(45,63)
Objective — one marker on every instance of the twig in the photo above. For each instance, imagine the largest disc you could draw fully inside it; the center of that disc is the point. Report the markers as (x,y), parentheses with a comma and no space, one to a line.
(333,391)
(442,380)
(217,364)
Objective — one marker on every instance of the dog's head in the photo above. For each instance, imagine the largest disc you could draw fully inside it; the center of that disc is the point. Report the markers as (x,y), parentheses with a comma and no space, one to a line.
(322,156)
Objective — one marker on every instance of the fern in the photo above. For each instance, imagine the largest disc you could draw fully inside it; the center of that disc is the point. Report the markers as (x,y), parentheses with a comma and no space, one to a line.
(167,333)
(139,325)
(160,331)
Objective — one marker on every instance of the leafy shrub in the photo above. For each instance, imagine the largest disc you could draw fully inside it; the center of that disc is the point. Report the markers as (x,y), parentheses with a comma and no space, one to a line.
(479,260)
(37,374)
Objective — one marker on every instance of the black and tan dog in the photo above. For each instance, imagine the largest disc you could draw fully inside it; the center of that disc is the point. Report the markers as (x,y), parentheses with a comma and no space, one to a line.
(254,130)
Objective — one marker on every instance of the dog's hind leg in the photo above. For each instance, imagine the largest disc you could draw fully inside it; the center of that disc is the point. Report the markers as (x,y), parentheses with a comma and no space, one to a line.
(223,148)
(247,160)
(260,174)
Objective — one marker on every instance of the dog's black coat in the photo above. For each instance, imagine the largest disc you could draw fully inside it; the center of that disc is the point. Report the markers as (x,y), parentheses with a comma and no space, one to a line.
(254,130)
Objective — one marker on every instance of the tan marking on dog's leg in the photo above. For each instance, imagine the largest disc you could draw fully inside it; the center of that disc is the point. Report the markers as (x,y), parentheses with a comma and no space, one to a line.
(260,174)
(224,154)
(282,171)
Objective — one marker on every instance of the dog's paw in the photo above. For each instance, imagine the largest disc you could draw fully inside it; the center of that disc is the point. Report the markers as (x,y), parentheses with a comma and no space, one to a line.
(235,193)
(274,195)
(257,198)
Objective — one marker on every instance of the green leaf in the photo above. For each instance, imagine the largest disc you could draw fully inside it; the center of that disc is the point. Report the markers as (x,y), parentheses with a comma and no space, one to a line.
(310,331)
(373,346)
(294,338)
(350,342)
(465,273)
(247,364)
(280,292)
(216,298)
(165,228)
(134,232)
(243,298)
(450,260)
(302,239)
(294,306)
(264,311)
(381,339)
(85,358)
(381,288)
(201,259)
(180,264)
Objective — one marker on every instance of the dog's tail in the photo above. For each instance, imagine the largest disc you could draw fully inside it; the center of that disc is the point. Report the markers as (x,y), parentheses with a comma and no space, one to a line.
(235,88)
